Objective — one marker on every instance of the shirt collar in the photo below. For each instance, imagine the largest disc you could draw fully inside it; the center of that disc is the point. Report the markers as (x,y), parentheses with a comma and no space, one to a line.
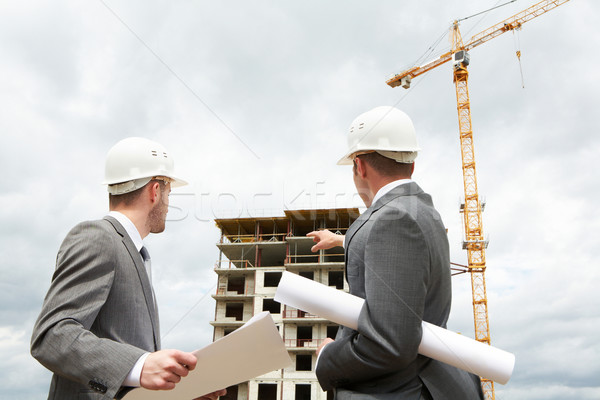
(130,228)
(388,188)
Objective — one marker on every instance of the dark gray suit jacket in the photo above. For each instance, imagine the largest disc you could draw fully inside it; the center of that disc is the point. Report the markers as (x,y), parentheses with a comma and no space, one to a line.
(98,316)
(397,259)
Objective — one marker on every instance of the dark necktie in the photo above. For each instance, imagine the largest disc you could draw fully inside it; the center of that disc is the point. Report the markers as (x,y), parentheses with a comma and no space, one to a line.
(147,262)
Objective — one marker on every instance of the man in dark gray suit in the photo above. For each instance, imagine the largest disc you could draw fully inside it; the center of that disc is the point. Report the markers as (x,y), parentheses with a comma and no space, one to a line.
(397,259)
(98,330)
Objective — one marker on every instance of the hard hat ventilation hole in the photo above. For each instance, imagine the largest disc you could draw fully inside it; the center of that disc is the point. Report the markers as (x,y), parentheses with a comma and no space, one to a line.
(165,155)
(362,125)
(154,153)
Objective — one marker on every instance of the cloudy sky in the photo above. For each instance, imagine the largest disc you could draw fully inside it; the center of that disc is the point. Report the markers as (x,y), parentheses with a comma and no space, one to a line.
(254,100)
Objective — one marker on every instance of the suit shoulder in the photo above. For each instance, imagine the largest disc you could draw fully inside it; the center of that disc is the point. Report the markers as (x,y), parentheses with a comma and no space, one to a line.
(99,226)
(89,243)
(88,233)
(414,203)
(416,209)
(399,207)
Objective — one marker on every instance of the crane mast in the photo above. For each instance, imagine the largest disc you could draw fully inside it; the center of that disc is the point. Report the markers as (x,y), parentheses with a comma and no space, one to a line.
(471,209)
(474,242)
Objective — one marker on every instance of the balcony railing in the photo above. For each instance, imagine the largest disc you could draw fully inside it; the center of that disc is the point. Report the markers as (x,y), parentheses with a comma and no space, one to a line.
(298,314)
(248,291)
(314,258)
(265,237)
(228,264)
(303,343)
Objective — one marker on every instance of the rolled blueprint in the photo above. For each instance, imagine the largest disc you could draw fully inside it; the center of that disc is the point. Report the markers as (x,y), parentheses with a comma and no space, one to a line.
(437,343)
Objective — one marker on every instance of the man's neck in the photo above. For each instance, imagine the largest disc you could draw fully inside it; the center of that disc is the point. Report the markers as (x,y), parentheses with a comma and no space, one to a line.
(138,217)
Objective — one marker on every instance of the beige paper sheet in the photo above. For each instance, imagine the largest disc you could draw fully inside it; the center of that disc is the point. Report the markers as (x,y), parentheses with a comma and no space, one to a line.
(251,350)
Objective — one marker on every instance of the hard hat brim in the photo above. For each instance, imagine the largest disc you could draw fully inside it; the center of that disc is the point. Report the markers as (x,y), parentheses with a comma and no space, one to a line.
(177,182)
(173,180)
(346,160)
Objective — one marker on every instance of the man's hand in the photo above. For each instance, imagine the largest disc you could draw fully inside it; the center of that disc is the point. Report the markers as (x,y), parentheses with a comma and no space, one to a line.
(163,369)
(325,239)
(213,395)
(326,341)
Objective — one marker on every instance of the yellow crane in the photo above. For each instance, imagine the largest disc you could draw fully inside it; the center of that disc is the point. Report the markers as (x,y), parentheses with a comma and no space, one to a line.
(474,243)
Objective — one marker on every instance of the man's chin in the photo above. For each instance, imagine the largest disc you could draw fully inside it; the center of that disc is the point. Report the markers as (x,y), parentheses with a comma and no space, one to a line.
(159,229)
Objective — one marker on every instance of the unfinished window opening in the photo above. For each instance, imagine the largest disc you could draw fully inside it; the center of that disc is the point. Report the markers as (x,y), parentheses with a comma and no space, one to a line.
(304,335)
(332,331)
(236,284)
(271,306)
(232,393)
(235,310)
(272,279)
(267,391)
(303,362)
(302,391)
(227,331)
(307,274)
(336,278)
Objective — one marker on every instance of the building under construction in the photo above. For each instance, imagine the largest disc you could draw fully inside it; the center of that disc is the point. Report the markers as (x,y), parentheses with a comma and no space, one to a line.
(253,254)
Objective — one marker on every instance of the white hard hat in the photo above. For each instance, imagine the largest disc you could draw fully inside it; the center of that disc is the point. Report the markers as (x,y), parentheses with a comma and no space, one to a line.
(133,162)
(386,130)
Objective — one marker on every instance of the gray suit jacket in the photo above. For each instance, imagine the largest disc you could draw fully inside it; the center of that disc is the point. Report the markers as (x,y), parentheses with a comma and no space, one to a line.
(397,259)
(98,316)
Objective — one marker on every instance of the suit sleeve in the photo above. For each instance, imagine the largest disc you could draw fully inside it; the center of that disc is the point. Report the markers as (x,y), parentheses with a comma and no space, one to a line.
(396,268)
(62,340)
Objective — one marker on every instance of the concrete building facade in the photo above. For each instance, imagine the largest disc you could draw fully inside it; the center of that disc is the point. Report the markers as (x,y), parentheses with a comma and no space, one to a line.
(253,254)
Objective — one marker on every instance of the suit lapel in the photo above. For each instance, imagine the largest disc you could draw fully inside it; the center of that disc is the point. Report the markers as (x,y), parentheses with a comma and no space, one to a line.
(142,275)
(355,227)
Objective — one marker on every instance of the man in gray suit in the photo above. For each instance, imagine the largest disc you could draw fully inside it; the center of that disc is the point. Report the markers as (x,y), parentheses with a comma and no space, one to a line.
(397,259)
(98,330)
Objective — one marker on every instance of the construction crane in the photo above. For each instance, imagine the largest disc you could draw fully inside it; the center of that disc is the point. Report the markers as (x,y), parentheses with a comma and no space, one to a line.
(474,242)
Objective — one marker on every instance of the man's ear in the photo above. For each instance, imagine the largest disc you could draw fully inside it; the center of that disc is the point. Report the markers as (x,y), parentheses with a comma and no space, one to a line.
(361,167)
(154,192)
